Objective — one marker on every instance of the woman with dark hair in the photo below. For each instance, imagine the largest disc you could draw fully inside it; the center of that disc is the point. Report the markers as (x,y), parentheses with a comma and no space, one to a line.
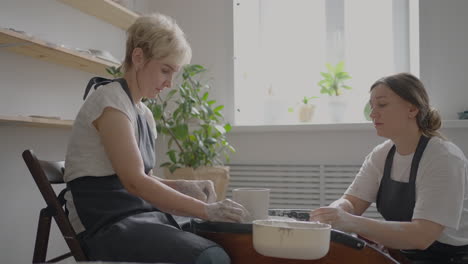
(417,179)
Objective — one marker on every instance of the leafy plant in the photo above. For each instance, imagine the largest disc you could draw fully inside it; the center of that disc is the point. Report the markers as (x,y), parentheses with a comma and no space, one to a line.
(306,99)
(114,71)
(195,125)
(333,80)
(367,111)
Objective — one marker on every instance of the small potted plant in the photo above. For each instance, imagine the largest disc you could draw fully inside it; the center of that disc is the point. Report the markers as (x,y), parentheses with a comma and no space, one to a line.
(333,83)
(306,109)
(196,131)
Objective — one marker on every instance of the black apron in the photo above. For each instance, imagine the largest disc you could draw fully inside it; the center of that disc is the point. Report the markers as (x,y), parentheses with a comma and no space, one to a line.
(396,201)
(123,227)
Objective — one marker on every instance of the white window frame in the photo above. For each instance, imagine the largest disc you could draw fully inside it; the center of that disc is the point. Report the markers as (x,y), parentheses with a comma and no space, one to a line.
(409,37)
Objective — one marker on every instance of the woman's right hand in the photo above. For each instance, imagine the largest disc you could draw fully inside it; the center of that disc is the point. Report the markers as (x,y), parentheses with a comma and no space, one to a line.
(226,211)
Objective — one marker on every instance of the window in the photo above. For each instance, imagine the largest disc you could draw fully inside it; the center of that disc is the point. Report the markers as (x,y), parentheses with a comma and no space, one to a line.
(281,46)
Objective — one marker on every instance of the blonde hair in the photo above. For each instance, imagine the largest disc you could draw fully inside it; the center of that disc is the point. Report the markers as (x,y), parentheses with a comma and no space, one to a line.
(412,90)
(160,38)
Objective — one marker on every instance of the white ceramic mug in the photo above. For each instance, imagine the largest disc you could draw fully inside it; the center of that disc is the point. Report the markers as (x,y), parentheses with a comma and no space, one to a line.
(255,200)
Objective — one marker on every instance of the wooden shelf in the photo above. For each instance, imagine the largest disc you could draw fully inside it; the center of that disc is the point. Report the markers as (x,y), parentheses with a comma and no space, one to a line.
(105,10)
(33,47)
(35,121)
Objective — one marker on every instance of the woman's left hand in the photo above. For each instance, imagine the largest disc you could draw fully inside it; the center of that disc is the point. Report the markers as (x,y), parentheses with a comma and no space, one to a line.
(335,216)
(202,190)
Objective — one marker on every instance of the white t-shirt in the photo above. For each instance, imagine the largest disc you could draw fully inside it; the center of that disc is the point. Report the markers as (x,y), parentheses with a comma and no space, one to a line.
(441,182)
(85,154)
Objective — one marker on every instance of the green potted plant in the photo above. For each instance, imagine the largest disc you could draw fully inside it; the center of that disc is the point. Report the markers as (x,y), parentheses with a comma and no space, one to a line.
(306,109)
(333,80)
(196,131)
(333,83)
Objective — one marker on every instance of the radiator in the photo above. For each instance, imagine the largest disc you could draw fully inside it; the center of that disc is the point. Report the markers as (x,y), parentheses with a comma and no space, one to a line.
(297,186)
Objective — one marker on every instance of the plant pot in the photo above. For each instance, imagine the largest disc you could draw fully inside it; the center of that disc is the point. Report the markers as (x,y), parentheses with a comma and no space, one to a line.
(337,109)
(219,175)
(306,112)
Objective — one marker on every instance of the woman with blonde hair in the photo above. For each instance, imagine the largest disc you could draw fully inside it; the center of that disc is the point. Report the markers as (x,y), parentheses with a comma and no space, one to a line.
(417,179)
(118,208)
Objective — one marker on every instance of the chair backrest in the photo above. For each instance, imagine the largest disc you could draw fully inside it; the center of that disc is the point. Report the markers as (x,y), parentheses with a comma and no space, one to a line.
(46,173)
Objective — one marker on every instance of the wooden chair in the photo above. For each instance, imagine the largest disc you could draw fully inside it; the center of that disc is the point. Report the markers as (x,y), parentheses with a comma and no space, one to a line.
(46,173)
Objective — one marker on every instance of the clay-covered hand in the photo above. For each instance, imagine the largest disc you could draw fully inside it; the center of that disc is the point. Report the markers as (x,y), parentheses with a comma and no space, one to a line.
(202,190)
(226,211)
(335,216)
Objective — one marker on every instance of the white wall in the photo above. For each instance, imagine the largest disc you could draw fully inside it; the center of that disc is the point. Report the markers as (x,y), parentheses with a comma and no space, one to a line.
(444,58)
(208,25)
(20,200)
(29,86)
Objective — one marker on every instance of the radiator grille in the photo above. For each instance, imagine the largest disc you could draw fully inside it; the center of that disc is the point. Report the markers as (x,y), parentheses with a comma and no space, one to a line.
(296,185)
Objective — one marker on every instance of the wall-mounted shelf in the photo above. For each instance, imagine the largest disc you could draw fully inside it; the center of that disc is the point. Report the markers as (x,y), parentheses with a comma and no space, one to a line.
(105,10)
(35,121)
(33,47)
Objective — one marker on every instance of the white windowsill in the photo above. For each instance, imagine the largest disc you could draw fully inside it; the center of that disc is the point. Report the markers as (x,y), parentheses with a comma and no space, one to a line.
(330,127)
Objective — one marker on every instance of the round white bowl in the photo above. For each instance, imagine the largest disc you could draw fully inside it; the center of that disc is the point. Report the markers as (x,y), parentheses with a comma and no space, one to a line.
(292,240)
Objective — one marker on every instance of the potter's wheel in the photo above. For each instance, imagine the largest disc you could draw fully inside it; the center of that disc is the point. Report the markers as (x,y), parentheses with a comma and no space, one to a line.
(199,225)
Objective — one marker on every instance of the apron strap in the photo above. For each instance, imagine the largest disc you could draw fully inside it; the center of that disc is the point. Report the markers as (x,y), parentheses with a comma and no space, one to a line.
(422,143)
(95,82)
